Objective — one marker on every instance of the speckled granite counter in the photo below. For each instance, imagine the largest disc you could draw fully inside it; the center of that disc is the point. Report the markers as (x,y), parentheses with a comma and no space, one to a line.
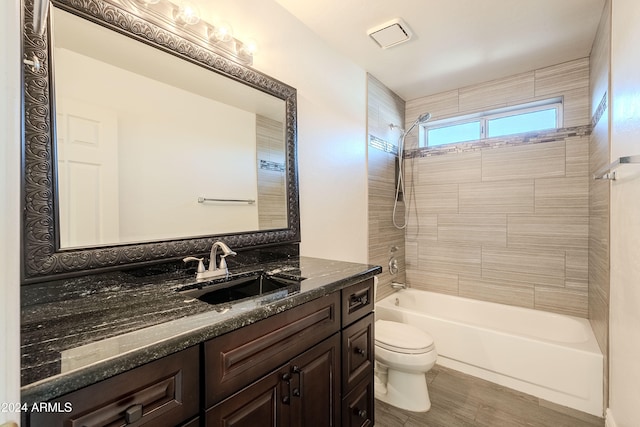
(76,332)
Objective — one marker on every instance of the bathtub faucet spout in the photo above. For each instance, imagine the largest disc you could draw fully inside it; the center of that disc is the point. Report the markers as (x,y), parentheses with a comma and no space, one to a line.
(397,286)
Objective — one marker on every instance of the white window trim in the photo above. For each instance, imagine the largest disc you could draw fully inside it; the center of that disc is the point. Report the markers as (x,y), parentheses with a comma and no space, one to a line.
(485,116)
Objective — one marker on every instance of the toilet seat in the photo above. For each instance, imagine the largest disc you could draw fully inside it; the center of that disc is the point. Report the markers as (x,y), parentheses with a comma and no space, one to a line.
(402,338)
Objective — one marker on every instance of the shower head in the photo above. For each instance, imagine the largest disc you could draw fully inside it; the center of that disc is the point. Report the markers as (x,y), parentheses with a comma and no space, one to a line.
(423,118)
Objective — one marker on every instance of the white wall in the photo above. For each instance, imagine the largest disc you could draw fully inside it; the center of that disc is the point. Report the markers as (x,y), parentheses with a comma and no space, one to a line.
(624,383)
(331,123)
(9,205)
(212,150)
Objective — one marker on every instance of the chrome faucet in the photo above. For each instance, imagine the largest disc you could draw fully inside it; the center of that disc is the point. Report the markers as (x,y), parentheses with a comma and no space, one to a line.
(213,271)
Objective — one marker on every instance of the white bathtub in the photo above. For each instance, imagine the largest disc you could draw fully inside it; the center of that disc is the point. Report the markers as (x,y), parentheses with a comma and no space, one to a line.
(551,356)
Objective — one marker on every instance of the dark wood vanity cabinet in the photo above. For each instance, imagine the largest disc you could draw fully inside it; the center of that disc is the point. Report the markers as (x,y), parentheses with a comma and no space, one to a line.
(358,358)
(311,365)
(304,392)
(314,364)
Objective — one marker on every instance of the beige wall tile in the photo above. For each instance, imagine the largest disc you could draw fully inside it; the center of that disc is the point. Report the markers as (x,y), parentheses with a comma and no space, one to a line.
(577,152)
(422,227)
(445,283)
(411,255)
(577,270)
(494,291)
(576,107)
(563,301)
(556,79)
(450,168)
(524,162)
(384,107)
(449,258)
(433,199)
(497,93)
(524,267)
(470,229)
(497,197)
(441,105)
(541,189)
(548,232)
(562,196)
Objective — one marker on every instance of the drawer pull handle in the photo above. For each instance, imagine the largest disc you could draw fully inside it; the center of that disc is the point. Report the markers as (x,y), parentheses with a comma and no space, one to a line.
(362,413)
(360,351)
(133,413)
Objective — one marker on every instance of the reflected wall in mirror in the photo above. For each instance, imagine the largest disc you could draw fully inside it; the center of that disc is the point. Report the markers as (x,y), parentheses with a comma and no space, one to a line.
(146,122)
(126,114)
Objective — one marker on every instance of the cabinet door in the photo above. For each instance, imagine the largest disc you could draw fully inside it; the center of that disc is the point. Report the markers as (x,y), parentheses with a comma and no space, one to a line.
(357,353)
(357,406)
(265,403)
(315,385)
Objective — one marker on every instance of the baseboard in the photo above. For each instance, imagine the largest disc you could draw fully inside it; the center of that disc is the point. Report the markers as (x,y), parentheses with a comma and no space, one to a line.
(608,420)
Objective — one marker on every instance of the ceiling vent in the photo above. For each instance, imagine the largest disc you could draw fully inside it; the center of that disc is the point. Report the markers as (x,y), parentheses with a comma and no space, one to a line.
(390,33)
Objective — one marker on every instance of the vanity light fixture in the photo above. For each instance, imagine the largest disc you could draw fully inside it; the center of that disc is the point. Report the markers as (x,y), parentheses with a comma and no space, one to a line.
(186,13)
(222,32)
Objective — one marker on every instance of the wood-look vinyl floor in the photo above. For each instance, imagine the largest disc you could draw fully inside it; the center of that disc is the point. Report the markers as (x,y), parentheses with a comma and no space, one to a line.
(460,400)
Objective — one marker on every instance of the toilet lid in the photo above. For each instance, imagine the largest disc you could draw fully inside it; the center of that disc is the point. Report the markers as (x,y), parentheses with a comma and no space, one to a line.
(402,338)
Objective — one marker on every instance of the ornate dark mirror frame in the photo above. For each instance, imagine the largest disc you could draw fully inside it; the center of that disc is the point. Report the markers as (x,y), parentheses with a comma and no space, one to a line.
(42,257)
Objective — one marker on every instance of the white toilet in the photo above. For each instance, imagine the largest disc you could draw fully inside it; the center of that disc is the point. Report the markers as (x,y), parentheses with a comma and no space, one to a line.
(404,354)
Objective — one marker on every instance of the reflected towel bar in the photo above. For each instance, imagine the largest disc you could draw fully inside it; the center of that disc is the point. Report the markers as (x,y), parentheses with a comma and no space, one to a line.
(608,172)
(206,199)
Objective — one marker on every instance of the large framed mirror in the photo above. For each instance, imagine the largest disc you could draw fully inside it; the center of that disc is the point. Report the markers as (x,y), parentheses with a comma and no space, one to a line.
(143,143)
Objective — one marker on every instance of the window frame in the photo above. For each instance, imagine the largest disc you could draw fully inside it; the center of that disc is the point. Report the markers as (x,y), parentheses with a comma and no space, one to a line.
(485,116)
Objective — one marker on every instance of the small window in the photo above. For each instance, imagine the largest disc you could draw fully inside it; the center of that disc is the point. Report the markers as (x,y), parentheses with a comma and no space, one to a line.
(454,133)
(505,121)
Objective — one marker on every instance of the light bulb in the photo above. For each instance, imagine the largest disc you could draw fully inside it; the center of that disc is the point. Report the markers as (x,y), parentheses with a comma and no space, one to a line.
(223,32)
(187,14)
(250,47)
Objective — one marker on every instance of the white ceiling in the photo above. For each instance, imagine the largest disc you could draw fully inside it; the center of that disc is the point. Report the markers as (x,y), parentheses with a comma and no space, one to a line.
(455,43)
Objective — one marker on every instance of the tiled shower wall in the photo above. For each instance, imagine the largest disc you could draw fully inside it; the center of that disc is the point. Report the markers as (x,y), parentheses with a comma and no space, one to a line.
(272,197)
(508,220)
(384,108)
(599,190)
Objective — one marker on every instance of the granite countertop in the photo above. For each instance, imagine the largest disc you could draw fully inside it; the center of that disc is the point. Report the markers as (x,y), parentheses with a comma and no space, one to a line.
(76,332)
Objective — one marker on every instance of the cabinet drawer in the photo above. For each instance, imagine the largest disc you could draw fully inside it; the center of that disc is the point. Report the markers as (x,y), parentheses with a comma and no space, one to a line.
(236,359)
(357,406)
(357,352)
(161,393)
(357,301)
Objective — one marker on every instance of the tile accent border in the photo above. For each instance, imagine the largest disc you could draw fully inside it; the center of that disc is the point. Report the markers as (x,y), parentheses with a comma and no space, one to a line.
(602,107)
(383,145)
(502,141)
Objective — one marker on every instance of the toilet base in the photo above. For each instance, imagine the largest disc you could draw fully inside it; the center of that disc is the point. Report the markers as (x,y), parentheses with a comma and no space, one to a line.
(404,390)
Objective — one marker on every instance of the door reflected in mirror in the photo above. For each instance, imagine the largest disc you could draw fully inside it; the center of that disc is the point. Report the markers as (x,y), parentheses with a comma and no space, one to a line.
(142,135)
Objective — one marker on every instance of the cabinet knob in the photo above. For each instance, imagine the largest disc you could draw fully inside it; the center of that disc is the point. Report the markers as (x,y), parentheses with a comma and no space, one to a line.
(286,376)
(133,413)
(286,400)
(360,351)
(362,413)
(296,392)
